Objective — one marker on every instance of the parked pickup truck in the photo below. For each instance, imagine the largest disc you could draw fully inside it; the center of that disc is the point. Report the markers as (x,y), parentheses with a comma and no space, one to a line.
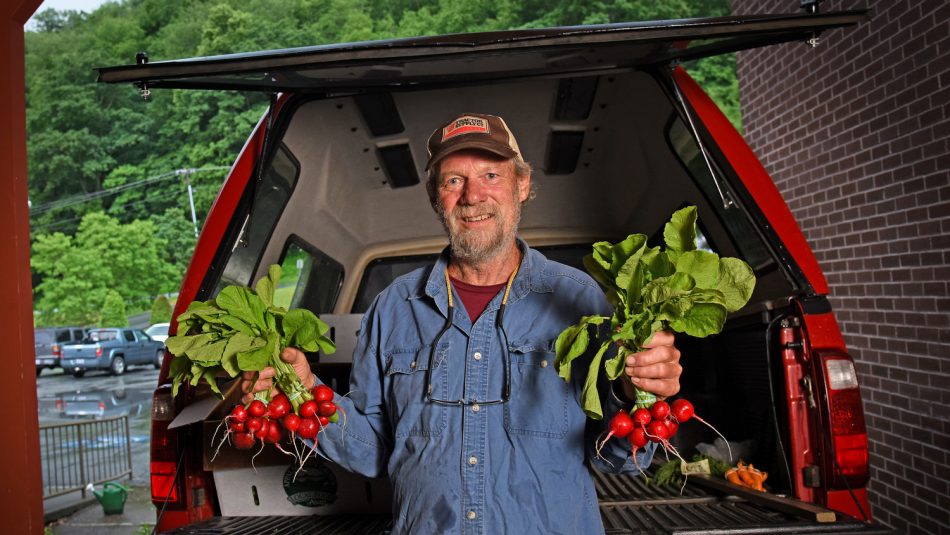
(112,350)
(49,344)
(330,185)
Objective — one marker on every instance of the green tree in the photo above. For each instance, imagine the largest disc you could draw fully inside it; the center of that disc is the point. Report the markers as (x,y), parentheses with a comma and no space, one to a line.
(76,273)
(113,311)
(161,310)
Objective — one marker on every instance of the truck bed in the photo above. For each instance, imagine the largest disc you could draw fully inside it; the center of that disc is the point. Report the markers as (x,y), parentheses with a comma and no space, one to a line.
(628,505)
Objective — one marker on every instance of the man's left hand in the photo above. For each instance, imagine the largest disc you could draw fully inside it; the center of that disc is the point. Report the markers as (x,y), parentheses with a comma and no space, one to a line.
(656,369)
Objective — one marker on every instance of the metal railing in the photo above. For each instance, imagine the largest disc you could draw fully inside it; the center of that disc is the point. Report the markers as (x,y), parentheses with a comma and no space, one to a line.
(74,455)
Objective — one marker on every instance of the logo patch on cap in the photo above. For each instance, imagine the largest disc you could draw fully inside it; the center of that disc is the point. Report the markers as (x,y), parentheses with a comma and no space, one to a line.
(466,125)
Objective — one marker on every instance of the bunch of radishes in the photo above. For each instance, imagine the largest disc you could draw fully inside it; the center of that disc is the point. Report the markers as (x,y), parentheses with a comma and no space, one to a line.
(658,423)
(266,422)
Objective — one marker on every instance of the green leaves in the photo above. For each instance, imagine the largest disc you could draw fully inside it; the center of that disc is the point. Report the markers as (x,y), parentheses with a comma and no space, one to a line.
(680,288)
(240,330)
(572,343)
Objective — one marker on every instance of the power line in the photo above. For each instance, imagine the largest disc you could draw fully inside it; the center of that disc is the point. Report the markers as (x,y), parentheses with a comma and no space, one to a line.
(87,197)
(131,204)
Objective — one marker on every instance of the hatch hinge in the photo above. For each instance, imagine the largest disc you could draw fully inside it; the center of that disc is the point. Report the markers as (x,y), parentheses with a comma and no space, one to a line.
(141,58)
(811,7)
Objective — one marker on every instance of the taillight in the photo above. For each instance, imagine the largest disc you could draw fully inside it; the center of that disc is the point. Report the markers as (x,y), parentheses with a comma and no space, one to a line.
(163,466)
(849,437)
(98,351)
(56,351)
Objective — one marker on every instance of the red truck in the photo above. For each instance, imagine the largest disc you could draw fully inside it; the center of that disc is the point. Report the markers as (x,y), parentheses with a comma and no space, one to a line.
(329,184)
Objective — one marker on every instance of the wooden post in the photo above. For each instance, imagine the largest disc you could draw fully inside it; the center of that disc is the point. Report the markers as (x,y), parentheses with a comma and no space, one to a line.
(21,497)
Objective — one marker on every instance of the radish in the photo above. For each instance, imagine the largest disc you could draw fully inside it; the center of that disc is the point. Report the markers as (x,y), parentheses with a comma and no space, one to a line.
(660,410)
(322,393)
(291,423)
(239,413)
(642,417)
(279,406)
(254,425)
(273,434)
(638,439)
(326,408)
(683,411)
(243,441)
(620,426)
(308,409)
(657,431)
(307,428)
(257,408)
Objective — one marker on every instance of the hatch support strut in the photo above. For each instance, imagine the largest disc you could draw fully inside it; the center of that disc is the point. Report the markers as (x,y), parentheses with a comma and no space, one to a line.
(726,201)
(259,168)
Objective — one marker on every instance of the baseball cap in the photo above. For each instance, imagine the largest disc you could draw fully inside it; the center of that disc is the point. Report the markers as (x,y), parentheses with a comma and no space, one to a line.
(472,131)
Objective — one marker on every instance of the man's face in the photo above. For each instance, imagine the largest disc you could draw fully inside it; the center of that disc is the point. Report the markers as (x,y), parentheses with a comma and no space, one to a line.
(479,201)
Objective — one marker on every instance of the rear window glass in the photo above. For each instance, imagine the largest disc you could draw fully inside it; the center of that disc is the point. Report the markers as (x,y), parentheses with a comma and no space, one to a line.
(270,197)
(381,272)
(43,337)
(743,233)
(309,278)
(100,336)
(129,337)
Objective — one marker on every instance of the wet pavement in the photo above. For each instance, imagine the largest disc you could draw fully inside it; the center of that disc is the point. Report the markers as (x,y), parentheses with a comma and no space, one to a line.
(62,398)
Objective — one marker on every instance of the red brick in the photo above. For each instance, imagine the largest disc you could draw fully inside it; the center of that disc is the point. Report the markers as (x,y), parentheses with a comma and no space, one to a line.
(872,136)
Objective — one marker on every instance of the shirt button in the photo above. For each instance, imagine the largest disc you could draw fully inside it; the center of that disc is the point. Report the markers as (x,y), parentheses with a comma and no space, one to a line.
(412,365)
(471,515)
(544,363)
(477,356)
(476,408)
(473,460)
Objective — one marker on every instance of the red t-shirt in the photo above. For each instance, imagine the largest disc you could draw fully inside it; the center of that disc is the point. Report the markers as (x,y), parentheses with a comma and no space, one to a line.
(475,298)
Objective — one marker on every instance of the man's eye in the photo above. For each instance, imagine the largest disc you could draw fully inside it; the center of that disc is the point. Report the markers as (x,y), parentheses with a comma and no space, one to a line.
(491,176)
(453,182)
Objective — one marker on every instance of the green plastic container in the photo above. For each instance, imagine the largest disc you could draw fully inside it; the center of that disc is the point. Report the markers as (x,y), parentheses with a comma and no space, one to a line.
(112,498)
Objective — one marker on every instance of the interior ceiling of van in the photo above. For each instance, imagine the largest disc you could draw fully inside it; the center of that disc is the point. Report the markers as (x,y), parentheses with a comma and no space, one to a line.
(619,181)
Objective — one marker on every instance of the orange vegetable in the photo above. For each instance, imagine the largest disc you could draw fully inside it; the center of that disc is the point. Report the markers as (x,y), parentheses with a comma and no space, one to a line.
(747,476)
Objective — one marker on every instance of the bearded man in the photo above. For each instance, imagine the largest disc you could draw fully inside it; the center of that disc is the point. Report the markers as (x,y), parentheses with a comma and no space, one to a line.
(453,390)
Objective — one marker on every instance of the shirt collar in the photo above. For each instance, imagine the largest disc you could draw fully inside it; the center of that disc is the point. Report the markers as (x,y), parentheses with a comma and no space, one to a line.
(530,277)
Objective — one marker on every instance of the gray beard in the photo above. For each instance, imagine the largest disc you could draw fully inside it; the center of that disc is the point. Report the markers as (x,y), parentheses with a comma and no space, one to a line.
(469,249)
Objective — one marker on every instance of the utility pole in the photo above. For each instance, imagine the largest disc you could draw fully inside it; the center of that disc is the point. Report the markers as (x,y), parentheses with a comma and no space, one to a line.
(191,196)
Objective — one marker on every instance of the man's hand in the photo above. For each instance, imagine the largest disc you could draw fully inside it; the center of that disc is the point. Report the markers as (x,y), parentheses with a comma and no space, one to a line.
(656,369)
(265,381)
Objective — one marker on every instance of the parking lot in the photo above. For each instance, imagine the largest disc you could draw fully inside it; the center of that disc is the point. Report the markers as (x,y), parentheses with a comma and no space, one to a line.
(64,398)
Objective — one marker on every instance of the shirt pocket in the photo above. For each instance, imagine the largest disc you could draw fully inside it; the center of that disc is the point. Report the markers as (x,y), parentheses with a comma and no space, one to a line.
(539,396)
(411,414)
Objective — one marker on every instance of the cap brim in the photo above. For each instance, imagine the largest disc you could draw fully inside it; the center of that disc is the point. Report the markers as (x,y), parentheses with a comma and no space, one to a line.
(474,144)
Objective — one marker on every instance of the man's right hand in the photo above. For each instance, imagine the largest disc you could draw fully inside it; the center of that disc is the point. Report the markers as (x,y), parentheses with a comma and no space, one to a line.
(265,381)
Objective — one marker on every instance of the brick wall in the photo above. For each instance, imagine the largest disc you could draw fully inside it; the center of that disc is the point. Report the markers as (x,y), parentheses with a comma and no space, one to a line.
(855,133)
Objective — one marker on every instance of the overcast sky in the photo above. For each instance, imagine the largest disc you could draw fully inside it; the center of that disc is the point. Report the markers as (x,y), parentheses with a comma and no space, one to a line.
(76,5)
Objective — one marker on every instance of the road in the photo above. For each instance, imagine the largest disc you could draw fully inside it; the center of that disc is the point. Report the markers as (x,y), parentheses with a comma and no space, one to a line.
(64,398)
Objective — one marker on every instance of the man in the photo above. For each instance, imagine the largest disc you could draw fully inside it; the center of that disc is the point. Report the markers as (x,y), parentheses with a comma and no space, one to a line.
(453,391)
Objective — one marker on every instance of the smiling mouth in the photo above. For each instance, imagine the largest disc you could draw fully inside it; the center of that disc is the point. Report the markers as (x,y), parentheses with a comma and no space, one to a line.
(476,218)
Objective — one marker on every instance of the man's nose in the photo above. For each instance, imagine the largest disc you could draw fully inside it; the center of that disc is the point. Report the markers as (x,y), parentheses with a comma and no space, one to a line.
(473,192)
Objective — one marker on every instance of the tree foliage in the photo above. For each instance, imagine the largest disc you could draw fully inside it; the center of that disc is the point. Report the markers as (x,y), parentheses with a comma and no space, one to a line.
(113,311)
(161,310)
(105,256)
(85,137)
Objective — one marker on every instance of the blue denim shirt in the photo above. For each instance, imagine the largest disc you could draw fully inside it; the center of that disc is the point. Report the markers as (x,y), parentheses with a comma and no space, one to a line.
(519,467)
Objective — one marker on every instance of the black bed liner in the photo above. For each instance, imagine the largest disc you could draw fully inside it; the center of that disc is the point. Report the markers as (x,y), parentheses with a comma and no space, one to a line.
(628,504)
